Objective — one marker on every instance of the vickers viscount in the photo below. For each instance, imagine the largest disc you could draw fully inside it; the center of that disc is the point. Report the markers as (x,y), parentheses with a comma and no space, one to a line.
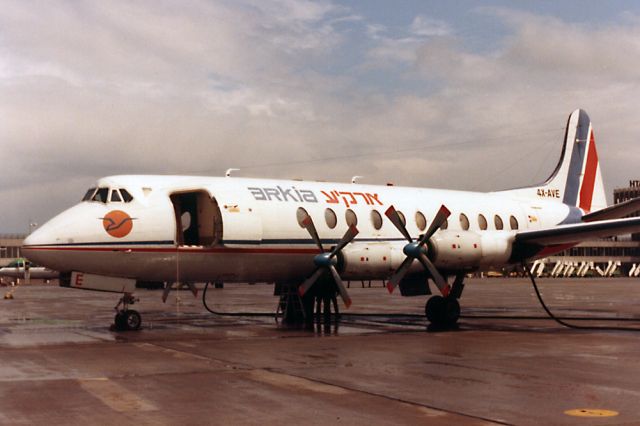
(133,229)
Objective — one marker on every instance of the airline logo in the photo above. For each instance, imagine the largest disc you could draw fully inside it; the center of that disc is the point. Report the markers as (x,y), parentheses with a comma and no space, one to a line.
(117,223)
(294,194)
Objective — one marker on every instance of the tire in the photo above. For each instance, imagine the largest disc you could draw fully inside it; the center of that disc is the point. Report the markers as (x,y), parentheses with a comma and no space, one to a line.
(133,320)
(442,312)
(434,310)
(120,321)
(451,312)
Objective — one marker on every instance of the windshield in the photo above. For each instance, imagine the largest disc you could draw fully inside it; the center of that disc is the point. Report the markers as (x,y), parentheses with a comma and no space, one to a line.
(88,195)
(101,195)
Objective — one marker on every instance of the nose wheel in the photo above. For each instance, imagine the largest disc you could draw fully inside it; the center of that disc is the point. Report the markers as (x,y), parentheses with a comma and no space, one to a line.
(127,319)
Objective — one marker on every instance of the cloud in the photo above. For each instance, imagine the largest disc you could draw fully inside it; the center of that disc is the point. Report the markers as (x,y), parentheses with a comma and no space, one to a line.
(282,89)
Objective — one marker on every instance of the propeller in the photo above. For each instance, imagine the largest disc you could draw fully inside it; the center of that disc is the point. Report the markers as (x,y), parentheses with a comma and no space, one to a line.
(326,261)
(417,250)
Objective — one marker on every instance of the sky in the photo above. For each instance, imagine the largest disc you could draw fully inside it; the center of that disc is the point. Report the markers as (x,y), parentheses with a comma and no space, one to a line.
(462,95)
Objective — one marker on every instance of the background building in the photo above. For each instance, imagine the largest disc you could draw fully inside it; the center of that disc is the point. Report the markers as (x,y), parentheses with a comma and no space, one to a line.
(10,247)
(621,195)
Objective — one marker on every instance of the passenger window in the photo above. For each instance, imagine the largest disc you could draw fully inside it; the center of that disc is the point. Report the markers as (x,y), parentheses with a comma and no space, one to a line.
(351,218)
(464,221)
(126,197)
(376,219)
(421,221)
(402,218)
(301,215)
(88,195)
(482,222)
(445,224)
(497,221)
(513,222)
(101,195)
(115,196)
(330,218)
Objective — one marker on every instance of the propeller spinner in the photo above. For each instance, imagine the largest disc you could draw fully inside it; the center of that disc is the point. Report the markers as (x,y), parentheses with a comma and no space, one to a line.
(417,250)
(326,261)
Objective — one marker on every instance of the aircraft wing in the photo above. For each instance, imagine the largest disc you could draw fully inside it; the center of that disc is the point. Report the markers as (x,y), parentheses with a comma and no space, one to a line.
(575,233)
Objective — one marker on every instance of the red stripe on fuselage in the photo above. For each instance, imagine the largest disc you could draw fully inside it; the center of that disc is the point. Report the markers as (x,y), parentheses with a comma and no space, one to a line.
(182,250)
(588,182)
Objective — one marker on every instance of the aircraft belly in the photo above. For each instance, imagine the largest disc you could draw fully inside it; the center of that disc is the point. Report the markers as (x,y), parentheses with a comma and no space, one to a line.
(192,265)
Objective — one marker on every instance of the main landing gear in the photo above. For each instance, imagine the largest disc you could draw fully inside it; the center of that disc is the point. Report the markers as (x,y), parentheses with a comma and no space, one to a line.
(444,312)
(127,319)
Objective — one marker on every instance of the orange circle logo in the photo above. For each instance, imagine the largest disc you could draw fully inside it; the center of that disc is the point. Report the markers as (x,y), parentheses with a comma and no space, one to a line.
(117,223)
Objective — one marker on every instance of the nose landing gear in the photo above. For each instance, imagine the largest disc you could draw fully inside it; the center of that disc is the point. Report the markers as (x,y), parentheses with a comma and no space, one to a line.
(126,319)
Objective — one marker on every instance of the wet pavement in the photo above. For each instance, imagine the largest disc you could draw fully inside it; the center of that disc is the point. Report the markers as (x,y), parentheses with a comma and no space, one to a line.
(506,364)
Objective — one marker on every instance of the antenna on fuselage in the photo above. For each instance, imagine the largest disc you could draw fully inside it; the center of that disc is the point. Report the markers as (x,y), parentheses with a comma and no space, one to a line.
(229,171)
(355,178)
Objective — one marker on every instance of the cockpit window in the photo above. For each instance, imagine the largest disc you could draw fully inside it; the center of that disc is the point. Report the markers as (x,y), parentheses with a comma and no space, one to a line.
(88,195)
(101,195)
(126,197)
(115,196)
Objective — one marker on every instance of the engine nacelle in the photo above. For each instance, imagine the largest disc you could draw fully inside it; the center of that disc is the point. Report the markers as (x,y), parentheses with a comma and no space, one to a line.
(470,250)
(371,260)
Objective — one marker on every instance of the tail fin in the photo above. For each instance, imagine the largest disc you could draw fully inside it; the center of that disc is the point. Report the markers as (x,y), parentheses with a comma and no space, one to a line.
(578,175)
(577,179)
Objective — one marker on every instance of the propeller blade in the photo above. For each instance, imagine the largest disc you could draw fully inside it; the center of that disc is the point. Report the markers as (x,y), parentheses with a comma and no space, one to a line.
(399,274)
(394,217)
(341,288)
(441,283)
(310,227)
(306,285)
(346,239)
(165,292)
(437,222)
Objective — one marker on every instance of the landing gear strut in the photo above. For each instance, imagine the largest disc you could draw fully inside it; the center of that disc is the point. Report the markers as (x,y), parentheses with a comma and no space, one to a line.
(127,319)
(444,312)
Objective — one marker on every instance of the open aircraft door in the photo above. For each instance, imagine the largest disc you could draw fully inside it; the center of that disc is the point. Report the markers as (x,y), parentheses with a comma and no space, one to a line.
(198,218)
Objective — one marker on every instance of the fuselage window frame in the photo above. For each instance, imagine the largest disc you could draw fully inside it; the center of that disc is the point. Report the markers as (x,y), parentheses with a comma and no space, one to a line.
(376,219)
(421,221)
(513,223)
(464,222)
(498,223)
(330,218)
(351,217)
(482,222)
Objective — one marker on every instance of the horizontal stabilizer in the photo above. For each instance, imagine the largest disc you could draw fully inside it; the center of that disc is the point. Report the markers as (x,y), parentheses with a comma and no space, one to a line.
(575,233)
(614,212)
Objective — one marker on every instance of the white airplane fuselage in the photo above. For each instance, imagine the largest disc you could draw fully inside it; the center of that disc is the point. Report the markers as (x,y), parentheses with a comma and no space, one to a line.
(247,230)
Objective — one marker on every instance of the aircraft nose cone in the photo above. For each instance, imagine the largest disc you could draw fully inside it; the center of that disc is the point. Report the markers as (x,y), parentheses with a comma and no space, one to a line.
(31,246)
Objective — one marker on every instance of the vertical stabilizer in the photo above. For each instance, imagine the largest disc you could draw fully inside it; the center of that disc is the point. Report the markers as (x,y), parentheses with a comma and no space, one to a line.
(577,179)
(578,174)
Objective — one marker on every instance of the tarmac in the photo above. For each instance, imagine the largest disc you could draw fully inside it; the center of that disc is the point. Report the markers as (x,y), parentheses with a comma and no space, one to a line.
(507,363)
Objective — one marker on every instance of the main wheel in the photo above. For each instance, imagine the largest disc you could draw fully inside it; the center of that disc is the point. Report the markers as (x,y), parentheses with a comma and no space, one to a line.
(451,312)
(133,320)
(442,312)
(434,310)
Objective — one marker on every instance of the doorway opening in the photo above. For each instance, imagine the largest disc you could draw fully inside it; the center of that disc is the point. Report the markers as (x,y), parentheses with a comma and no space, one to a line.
(198,218)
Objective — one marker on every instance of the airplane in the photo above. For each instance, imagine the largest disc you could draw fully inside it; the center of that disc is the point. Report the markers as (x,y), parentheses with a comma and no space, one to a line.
(314,235)
(22,268)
